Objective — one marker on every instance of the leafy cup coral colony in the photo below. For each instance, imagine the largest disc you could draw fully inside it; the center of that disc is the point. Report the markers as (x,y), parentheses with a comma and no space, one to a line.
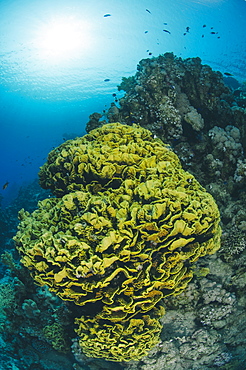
(123,231)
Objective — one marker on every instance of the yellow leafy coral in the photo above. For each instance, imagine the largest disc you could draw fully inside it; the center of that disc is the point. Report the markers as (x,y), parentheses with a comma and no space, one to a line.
(123,232)
(127,340)
(56,336)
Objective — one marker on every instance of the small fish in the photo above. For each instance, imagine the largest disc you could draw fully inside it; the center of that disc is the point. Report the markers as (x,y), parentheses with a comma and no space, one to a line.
(204,25)
(167,31)
(165,24)
(227,74)
(107,79)
(147,10)
(114,95)
(107,15)
(184,33)
(150,53)
(211,28)
(146,31)
(5,185)
(219,36)
(187,29)
(202,35)
(213,33)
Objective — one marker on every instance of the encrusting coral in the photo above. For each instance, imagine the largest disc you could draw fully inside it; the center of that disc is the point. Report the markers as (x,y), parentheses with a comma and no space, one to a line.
(126,226)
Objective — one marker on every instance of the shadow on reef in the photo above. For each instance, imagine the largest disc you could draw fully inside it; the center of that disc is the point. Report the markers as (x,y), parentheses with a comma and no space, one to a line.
(189,107)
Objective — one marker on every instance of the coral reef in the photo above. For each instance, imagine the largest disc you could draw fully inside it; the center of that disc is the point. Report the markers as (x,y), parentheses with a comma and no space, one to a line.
(227,152)
(94,121)
(26,311)
(204,327)
(124,231)
(188,106)
(56,336)
(28,197)
(212,148)
(25,308)
(196,111)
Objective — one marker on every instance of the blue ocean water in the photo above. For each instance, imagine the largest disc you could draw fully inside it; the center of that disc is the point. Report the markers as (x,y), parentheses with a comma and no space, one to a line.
(49,86)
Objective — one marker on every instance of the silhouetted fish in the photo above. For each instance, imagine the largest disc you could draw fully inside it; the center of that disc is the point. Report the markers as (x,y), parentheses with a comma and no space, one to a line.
(227,74)
(5,185)
(107,15)
(107,79)
(147,10)
(167,31)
